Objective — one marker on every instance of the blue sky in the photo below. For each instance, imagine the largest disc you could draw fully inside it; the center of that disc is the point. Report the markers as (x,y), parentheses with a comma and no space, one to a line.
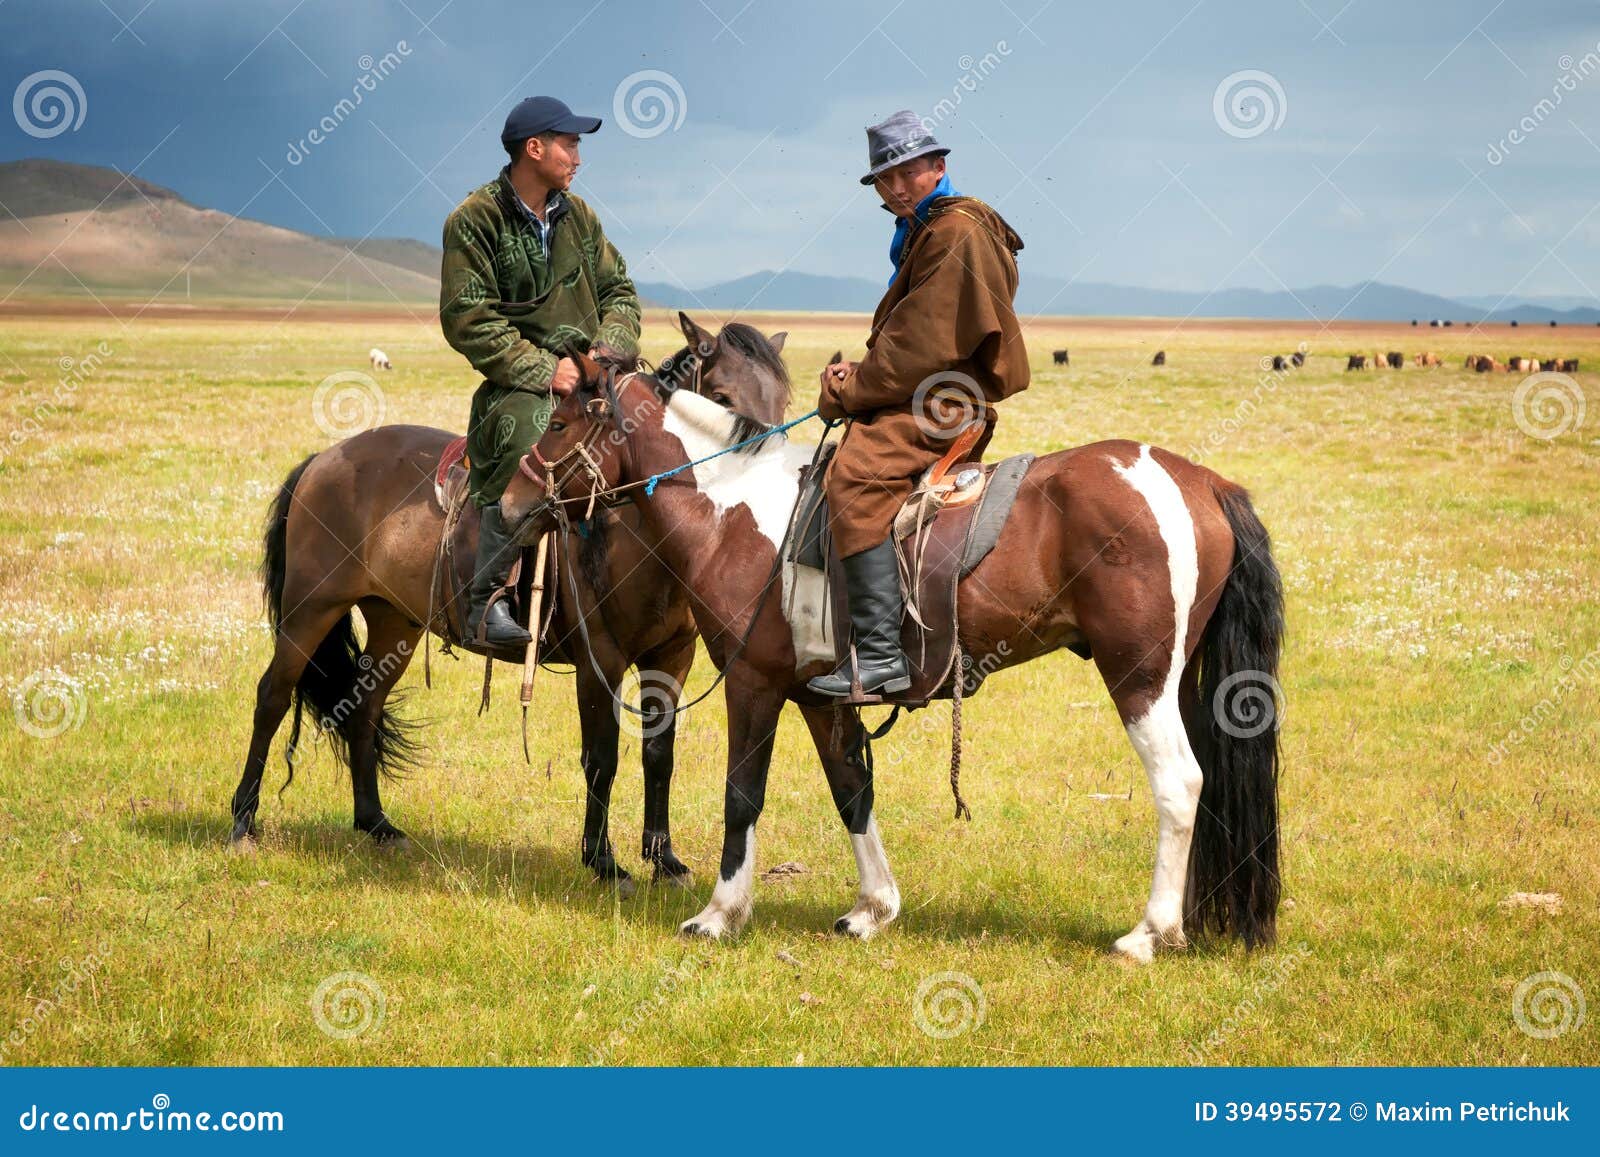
(1093,128)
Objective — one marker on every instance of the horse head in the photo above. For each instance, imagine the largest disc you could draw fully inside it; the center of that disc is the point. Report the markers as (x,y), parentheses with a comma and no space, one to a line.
(738,368)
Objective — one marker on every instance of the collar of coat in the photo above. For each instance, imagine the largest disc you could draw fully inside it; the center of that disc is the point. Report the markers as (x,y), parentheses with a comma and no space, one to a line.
(975,210)
(556,205)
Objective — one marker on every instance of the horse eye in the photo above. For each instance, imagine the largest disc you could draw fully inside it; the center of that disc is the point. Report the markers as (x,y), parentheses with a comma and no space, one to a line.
(557,425)
(722,399)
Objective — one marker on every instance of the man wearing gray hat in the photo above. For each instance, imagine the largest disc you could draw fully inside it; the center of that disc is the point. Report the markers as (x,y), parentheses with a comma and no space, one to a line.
(528,280)
(945,346)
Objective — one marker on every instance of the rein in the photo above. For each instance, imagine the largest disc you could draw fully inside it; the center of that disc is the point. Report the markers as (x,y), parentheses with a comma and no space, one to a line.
(597,493)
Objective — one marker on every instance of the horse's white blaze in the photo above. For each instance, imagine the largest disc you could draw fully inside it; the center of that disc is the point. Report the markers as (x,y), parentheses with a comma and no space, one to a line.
(766,481)
(1159,735)
(878,900)
(731,899)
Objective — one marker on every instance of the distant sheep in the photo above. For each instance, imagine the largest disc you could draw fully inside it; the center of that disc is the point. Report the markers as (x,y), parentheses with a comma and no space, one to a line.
(379,359)
(1160,359)
(1060,357)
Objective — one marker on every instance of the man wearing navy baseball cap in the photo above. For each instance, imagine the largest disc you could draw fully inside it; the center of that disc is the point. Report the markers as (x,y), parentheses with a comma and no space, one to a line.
(528,280)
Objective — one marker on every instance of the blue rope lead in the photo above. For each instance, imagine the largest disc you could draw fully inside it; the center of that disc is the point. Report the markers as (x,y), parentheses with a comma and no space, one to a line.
(650,483)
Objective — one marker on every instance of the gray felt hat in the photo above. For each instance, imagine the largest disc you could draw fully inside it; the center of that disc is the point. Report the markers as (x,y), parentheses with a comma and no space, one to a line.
(897,140)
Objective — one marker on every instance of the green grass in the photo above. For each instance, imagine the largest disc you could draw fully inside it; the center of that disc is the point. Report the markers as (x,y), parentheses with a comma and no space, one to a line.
(1439,564)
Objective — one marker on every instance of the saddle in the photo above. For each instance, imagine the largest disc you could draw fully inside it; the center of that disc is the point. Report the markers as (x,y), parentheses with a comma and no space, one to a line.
(455,559)
(942,532)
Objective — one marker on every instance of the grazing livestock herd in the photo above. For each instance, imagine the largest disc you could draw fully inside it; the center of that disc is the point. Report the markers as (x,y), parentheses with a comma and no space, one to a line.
(1484,364)
(1393,360)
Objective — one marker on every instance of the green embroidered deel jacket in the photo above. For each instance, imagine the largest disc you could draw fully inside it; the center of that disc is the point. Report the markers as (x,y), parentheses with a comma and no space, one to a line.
(511,310)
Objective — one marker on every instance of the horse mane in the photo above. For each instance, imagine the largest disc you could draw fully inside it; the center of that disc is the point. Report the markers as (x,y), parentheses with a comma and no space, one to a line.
(753,344)
(728,427)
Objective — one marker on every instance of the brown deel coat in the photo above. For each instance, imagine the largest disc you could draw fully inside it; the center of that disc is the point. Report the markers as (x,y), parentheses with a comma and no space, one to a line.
(945,344)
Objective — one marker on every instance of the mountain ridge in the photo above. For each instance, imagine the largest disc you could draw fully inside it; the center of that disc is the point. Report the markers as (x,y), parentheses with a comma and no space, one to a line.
(114,233)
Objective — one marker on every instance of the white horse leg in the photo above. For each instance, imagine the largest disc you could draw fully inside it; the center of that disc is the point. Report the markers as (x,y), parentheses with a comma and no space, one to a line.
(1174,774)
(731,900)
(878,900)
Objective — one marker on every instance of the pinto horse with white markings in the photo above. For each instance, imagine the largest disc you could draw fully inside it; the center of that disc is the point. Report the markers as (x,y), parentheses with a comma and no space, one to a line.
(1157,567)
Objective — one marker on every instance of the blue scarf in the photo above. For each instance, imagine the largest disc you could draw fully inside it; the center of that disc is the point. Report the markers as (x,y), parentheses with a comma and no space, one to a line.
(902,225)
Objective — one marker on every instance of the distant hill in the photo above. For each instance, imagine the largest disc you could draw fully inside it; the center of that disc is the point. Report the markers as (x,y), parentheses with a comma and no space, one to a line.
(417,256)
(83,227)
(1042,293)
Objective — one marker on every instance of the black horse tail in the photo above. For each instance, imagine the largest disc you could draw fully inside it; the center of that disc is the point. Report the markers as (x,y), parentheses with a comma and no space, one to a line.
(1232,721)
(332,683)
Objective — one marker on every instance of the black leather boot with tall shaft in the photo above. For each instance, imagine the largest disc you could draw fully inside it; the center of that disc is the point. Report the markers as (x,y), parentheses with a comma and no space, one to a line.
(496,555)
(872,582)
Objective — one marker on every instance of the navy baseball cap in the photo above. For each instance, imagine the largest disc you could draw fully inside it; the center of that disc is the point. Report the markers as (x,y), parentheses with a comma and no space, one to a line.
(544,114)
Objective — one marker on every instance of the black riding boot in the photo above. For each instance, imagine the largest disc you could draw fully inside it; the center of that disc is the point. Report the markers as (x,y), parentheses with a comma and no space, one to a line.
(872,581)
(496,554)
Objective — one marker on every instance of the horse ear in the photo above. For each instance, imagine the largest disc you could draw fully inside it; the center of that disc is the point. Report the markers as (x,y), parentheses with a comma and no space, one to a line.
(702,341)
(776,341)
(589,370)
(838,356)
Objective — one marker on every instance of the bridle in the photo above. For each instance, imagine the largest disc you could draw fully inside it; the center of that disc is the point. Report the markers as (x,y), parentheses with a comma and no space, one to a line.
(602,409)
(580,459)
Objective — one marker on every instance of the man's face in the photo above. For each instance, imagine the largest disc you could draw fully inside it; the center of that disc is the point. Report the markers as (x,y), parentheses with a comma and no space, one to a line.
(903,186)
(554,161)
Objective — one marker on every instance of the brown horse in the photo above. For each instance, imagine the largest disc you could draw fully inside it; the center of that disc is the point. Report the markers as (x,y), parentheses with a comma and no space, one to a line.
(1155,565)
(357,525)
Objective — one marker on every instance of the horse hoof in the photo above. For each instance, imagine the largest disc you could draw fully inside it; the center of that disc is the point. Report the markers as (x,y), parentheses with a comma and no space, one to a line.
(847,925)
(606,869)
(1136,947)
(696,930)
(394,845)
(624,884)
(679,879)
(244,845)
